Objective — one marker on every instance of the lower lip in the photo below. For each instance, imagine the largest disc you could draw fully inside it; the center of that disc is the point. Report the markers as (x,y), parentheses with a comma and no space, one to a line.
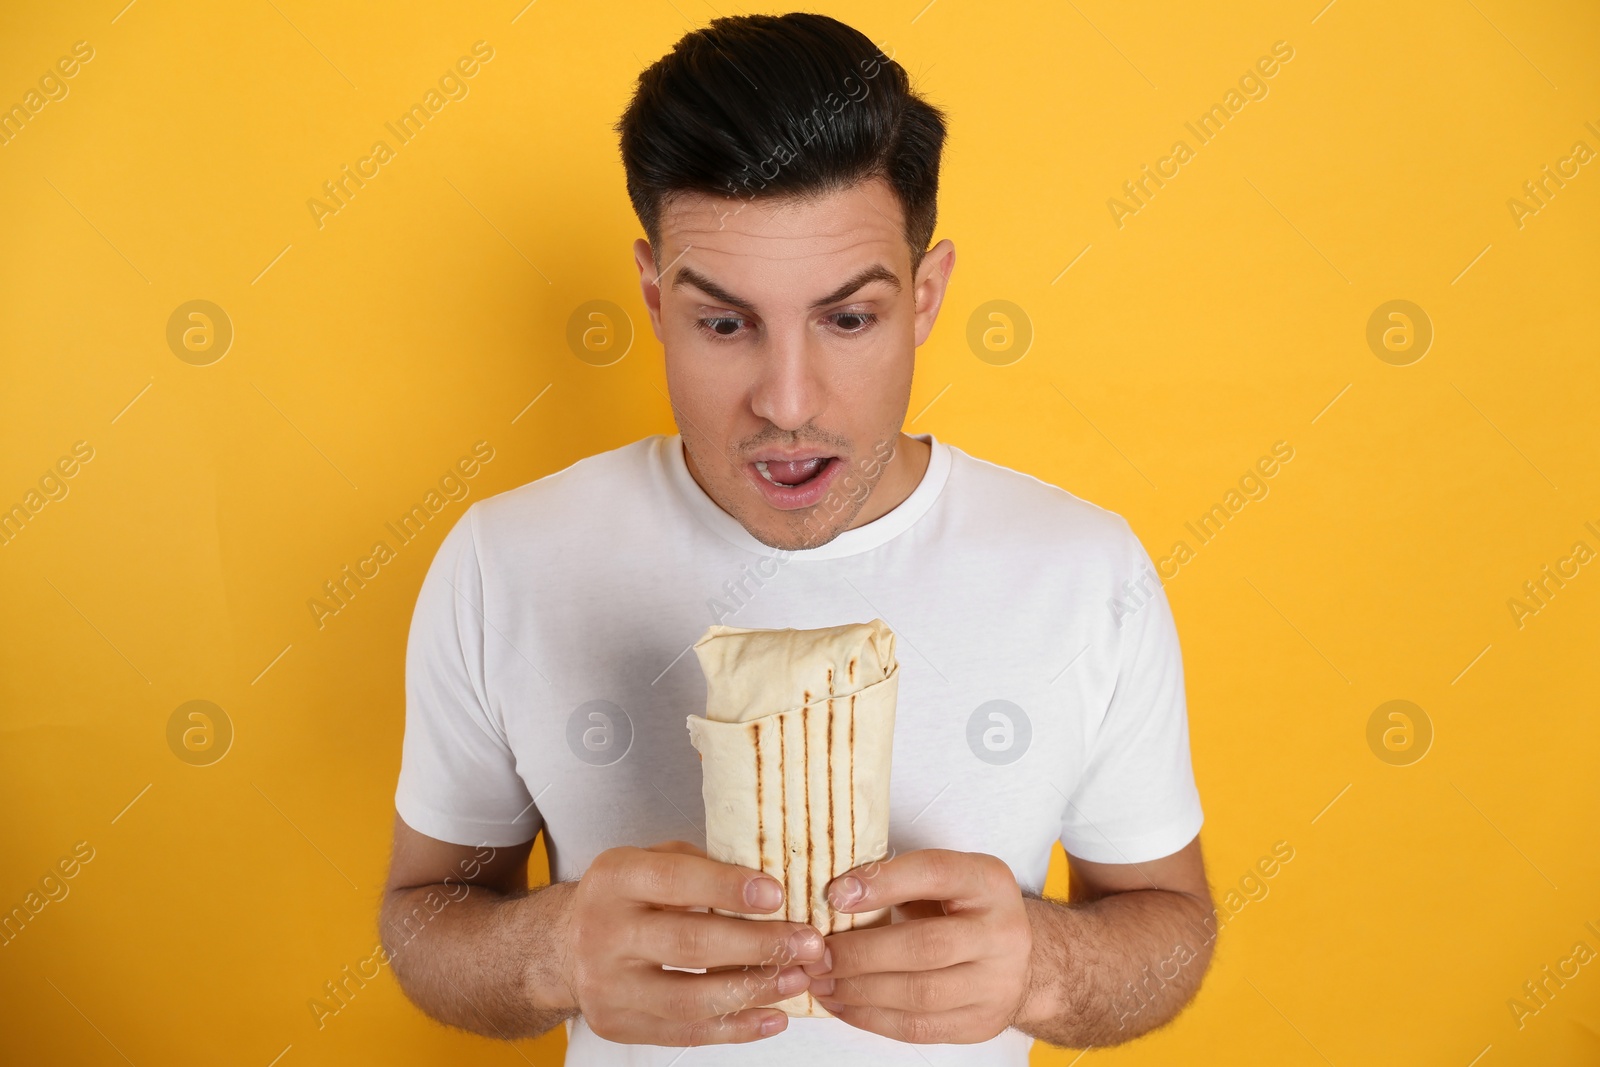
(804,495)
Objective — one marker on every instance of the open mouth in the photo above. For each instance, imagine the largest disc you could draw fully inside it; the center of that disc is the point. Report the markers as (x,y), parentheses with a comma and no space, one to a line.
(799,483)
(792,474)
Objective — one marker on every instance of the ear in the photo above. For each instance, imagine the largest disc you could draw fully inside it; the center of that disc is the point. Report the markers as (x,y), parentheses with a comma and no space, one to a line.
(933,277)
(649,283)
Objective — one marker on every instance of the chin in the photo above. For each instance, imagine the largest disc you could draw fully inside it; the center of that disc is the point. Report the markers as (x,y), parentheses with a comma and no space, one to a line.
(796,536)
(796,541)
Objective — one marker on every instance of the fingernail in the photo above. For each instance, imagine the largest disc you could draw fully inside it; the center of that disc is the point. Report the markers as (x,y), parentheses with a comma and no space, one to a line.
(805,942)
(822,987)
(818,968)
(846,891)
(792,980)
(833,1006)
(763,894)
(772,1024)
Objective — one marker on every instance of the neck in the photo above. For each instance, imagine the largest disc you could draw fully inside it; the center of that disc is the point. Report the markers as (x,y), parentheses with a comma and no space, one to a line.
(901,476)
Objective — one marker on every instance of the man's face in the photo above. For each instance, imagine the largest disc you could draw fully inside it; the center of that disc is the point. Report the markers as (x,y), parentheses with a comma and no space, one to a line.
(790,329)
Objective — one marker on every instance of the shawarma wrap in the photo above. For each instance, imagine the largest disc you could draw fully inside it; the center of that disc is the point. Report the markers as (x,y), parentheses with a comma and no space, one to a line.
(795,747)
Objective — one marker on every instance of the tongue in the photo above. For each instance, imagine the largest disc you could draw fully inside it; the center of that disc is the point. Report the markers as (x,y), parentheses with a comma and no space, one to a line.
(794,473)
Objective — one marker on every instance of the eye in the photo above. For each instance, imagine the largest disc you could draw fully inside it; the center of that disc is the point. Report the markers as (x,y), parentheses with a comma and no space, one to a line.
(853,322)
(722,327)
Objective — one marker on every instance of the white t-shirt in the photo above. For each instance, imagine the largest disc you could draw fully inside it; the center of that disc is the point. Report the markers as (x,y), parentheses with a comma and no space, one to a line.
(549,676)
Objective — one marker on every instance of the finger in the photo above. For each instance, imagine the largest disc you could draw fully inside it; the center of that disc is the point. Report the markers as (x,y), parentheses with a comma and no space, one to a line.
(680,997)
(692,939)
(649,876)
(917,909)
(946,989)
(634,1027)
(914,945)
(963,1026)
(687,848)
(963,879)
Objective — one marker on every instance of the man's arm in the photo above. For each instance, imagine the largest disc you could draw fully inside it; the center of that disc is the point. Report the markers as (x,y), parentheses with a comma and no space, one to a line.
(1123,954)
(469,943)
(473,947)
(969,954)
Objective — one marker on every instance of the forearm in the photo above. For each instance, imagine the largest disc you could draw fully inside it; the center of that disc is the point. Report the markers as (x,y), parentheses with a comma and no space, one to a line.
(1105,971)
(488,962)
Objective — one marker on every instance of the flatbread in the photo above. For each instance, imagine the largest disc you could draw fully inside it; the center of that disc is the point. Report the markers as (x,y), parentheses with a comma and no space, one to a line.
(795,748)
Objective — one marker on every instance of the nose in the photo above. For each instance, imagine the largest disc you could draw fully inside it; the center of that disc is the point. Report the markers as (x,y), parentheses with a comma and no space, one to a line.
(790,388)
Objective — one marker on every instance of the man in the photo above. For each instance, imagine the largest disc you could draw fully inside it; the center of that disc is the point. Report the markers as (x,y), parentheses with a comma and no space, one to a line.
(785,175)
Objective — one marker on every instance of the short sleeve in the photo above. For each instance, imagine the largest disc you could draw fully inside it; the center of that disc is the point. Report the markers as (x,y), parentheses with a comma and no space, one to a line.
(458,775)
(1137,799)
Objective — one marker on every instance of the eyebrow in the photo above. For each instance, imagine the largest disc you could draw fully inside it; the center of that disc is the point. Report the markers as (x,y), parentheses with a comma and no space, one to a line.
(876,273)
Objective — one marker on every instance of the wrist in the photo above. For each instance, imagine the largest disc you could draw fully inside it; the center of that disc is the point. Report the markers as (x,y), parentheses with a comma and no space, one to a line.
(548,976)
(1044,999)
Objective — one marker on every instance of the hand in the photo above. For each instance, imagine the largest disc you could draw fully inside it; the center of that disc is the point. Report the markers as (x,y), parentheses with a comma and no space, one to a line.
(952,965)
(631,914)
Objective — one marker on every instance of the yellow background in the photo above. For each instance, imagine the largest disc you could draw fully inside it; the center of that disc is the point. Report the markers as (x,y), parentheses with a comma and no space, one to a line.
(1227,314)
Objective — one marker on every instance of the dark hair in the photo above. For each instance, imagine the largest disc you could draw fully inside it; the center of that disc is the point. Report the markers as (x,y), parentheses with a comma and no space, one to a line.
(784,106)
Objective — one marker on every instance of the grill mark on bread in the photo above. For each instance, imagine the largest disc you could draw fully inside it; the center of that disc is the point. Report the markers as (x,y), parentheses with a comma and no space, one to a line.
(831,870)
(761,826)
(783,813)
(852,772)
(851,918)
(805,763)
